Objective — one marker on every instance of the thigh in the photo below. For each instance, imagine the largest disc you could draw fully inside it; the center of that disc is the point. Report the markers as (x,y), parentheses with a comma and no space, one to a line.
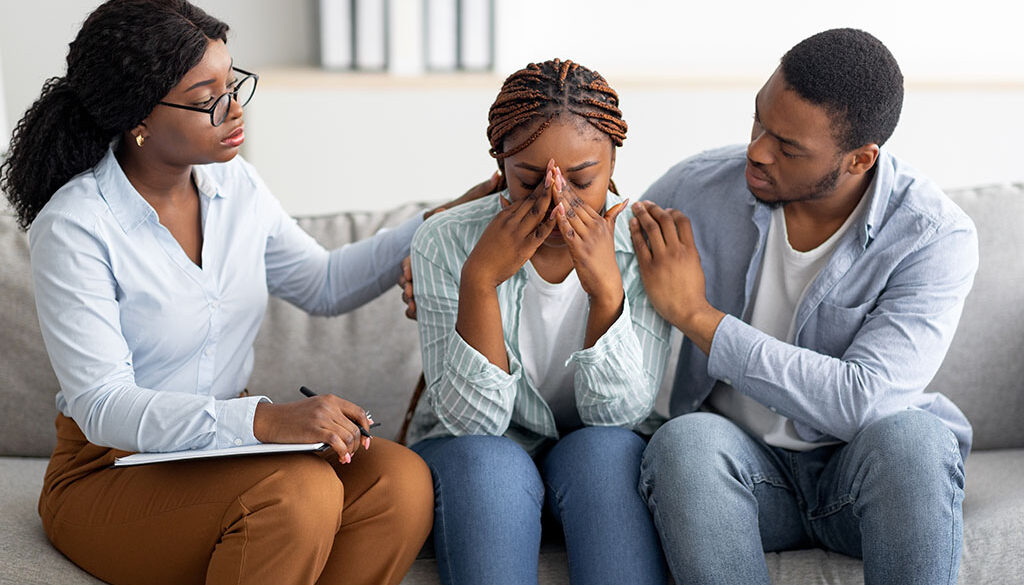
(600,466)
(706,469)
(591,476)
(161,523)
(487,489)
(899,481)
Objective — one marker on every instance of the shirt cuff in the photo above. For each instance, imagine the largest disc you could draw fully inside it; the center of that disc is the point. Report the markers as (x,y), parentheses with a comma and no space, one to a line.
(234,421)
(470,366)
(730,350)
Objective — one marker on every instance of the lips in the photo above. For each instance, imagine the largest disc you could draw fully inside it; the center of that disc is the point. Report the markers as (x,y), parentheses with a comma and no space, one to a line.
(756,178)
(236,138)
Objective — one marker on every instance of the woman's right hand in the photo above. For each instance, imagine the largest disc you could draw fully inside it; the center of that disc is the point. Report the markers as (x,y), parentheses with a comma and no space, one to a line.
(512,237)
(319,419)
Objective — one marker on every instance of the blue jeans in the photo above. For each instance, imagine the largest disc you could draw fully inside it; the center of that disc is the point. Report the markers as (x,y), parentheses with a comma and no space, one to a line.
(892,497)
(489,495)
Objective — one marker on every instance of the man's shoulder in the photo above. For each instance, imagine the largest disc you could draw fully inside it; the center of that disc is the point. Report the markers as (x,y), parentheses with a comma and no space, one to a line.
(912,193)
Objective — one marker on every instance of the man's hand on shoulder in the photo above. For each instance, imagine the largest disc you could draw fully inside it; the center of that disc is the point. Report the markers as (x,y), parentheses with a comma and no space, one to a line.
(671,271)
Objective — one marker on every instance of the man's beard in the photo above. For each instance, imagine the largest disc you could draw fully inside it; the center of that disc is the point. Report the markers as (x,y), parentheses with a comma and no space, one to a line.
(824,187)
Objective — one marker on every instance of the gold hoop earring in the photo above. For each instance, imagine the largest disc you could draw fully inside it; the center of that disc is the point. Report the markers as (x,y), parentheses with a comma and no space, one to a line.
(139,139)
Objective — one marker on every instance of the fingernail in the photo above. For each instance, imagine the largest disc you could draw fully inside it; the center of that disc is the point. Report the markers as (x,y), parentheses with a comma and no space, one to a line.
(366,443)
(347,458)
(547,179)
(560,209)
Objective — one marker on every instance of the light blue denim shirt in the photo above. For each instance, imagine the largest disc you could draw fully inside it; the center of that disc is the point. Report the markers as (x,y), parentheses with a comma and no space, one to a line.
(616,379)
(152,351)
(872,328)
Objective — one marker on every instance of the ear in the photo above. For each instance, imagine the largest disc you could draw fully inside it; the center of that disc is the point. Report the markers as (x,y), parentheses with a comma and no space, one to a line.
(862,159)
(140,130)
(612,170)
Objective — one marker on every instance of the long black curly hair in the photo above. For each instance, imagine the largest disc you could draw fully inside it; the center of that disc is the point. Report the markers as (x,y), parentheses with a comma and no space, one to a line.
(128,55)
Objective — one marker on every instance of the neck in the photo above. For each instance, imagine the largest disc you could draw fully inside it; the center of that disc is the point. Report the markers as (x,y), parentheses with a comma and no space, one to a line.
(159,183)
(551,263)
(811,222)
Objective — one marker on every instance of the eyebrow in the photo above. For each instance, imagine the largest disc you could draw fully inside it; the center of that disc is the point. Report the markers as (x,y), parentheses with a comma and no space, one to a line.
(574,169)
(209,81)
(782,139)
(199,84)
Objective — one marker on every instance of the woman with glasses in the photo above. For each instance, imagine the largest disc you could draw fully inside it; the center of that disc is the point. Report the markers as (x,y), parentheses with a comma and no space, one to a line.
(154,248)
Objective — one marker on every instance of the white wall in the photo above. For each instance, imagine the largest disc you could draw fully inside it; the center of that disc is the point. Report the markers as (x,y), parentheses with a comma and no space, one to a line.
(686,72)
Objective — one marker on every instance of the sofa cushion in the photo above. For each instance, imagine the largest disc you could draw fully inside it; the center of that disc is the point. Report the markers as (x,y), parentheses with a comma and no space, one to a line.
(984,370)
(370,356)
(28,383)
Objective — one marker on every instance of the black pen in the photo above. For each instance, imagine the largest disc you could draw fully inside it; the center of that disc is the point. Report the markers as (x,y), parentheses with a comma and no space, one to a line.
(309,394)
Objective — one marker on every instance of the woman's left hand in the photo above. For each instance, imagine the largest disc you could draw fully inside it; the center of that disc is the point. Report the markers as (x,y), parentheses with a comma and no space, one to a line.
(591,241)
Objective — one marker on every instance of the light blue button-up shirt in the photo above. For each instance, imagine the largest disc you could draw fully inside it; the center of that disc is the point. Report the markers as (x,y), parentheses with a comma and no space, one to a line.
(872,328)
(152,351)
(616,380)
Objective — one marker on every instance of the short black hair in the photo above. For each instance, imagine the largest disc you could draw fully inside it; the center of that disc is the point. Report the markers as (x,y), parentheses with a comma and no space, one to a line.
(855,77)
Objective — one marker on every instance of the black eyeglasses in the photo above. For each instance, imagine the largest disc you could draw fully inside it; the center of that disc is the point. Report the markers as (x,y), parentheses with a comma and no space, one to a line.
(241,92)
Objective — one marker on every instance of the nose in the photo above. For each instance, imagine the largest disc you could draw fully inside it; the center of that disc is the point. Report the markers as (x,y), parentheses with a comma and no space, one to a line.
(759,149)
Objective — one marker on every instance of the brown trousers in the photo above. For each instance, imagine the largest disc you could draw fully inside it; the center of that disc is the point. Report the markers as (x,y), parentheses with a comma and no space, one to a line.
(274,519)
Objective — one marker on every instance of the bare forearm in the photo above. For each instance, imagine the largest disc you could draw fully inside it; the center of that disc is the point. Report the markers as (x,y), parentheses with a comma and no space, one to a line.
(600,318)
(479,321)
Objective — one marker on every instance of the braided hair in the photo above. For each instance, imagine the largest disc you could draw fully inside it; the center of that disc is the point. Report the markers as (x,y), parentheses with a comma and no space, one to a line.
(127,56)
(541,92)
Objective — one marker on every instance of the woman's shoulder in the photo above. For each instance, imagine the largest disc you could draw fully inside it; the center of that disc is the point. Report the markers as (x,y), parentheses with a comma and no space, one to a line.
(78,201)
(456,228)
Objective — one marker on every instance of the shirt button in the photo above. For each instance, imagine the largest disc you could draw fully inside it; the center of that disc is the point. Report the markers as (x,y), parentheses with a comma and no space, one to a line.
(214,305)
(238,442)
(728,381)
(772,408)
(208,351)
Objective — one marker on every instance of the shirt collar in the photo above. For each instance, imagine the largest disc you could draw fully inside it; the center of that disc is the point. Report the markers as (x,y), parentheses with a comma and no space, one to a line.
(879,191)
(126,204)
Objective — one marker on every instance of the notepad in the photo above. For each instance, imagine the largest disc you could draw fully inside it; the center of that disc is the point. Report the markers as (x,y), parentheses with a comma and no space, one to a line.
(262,449)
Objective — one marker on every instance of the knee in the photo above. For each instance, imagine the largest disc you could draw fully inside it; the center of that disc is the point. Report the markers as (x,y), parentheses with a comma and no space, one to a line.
(405,485)
(304,496)
(598,454)
(488,467)
(692,441)
(913,444)
(696,445)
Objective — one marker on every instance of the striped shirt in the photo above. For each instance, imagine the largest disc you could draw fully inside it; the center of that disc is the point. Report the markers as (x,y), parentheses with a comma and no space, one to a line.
(616,379)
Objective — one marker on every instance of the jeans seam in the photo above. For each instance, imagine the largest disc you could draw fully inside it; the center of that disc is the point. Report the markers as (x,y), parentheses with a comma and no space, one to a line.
(951,578)
(442,525)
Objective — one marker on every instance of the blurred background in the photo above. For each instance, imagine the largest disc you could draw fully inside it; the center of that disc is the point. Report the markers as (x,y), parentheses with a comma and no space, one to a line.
(365,104)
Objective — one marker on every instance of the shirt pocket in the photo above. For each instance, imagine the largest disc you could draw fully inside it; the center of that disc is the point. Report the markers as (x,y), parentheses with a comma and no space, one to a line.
(838,325)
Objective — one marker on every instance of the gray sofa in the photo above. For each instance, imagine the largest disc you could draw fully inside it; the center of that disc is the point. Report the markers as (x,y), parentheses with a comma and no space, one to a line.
(372,357)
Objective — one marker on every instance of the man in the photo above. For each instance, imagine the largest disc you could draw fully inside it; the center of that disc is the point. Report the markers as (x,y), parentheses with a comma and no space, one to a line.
(828,285)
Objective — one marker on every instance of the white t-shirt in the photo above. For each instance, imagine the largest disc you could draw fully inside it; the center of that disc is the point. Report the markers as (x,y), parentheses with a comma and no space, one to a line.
(783,279)
(552,326)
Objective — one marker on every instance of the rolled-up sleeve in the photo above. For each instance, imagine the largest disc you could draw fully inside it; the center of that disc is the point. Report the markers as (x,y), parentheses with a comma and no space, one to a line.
(467,393)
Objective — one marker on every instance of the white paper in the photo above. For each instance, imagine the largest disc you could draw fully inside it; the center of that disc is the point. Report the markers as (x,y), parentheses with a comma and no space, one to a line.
(261,449)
